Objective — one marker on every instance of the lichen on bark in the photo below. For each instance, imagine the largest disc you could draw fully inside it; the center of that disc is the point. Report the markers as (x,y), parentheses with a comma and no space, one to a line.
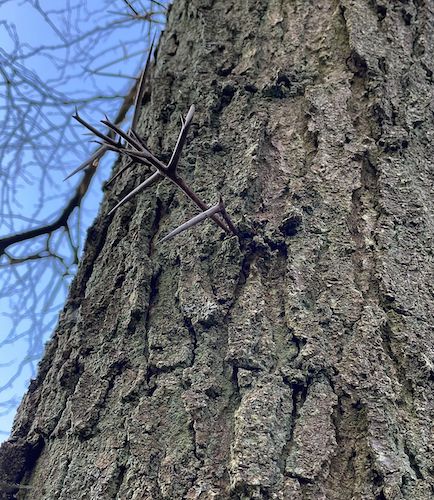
(293,362)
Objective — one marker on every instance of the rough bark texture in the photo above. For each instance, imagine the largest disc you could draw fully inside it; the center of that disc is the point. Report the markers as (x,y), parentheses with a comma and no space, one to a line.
(298,361)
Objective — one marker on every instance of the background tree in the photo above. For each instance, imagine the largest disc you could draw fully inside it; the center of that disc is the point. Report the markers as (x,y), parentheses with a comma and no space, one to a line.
(295,361)
(59,56)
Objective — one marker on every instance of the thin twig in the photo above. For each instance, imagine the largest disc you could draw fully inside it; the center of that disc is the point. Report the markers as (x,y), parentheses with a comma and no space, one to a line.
(131,7)
(140,84)
(62,220)
(12,486)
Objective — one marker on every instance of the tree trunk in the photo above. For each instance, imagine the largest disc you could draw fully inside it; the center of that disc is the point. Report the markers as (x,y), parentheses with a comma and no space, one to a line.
(294,362)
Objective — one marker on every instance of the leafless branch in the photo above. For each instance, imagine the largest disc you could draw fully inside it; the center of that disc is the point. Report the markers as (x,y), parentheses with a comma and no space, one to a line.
(61,221)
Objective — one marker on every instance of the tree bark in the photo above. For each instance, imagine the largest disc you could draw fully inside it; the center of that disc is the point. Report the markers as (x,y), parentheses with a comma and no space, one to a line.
(294,362)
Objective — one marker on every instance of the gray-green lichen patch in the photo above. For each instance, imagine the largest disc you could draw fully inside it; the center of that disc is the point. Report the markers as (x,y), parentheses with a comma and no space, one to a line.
(262,423)
(313,441)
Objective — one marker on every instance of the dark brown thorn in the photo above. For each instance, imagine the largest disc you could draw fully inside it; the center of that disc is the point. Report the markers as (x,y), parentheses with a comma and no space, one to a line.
(141,87)
(139,139)
(140,153)
(131,141)
(150,159)
(196,200)
(99,134)
(131,153)
(96,156)
(227,219)
(171,166)
(193,221)
(134,155)
(148,182)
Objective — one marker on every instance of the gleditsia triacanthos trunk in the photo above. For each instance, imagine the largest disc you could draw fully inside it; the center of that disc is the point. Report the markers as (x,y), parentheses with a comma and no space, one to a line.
(296,362)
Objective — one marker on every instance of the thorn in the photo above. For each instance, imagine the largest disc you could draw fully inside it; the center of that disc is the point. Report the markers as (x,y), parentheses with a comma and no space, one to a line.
(139,139)
(193,221)
(189,116)
(98,153)
(227,219)
(95,131)
(185,188)
(148,182)
(171,166)
(131,141)
(138,156)
(146,157)
(141,86)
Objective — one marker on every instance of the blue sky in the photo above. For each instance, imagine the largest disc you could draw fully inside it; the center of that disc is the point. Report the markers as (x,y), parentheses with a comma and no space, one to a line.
(38,197)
